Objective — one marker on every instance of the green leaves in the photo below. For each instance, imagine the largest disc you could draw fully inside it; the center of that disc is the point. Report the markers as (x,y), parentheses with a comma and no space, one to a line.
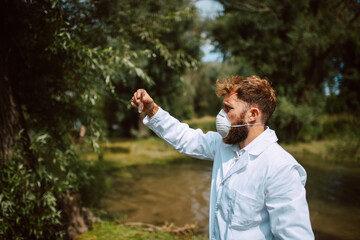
(67,59)
(294,44)
(29,199)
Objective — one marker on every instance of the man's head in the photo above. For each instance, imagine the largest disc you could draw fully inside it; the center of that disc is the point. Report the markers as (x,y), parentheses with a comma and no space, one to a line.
(246,101)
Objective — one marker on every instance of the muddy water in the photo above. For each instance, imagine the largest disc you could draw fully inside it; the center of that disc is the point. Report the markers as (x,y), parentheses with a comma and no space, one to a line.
(179,193)
(175,193)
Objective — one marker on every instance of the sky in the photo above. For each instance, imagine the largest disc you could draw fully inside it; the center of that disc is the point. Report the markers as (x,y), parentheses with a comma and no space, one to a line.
(209,9)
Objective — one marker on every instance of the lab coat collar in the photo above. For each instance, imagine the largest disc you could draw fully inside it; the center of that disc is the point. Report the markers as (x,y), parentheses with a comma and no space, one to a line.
(255,148)
(262,142)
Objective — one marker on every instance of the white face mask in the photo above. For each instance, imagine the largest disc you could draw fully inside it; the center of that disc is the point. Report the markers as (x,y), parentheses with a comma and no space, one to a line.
(223,124)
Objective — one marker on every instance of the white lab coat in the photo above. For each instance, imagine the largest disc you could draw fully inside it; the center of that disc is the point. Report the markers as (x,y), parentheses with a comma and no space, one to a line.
(256,192)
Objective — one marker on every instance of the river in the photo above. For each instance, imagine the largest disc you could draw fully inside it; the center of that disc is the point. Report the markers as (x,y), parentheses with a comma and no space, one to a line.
(179,193)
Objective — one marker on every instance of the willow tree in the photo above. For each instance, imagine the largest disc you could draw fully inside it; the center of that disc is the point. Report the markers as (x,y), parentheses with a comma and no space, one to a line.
(58,59)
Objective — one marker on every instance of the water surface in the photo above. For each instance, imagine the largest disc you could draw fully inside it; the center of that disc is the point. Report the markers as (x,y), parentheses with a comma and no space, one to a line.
(179,193)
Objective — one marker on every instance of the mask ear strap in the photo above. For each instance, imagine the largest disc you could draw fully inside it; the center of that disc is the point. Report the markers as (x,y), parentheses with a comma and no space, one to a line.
(249,124)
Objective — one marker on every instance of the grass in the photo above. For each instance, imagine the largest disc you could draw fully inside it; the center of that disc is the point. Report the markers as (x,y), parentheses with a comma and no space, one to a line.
(205,123)
(111,231)
(131,152)
(345,152)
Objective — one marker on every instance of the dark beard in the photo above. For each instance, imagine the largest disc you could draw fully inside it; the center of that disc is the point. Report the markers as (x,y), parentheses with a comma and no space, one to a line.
(237,134)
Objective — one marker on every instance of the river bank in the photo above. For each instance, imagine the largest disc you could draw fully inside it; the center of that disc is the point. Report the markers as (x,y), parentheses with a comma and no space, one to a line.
(111,231)
(150,182)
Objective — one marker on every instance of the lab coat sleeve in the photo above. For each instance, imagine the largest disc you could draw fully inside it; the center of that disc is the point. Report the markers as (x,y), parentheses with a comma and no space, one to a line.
(184,139)
(286,203)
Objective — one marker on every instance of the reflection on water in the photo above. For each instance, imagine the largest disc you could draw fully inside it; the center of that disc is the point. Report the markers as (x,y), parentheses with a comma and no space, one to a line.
(179,193)
(176,193)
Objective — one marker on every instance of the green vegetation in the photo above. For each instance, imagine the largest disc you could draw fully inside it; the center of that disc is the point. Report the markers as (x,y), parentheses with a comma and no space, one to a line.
(110,231)
(30,198)
(68,63)
(127,152)
(301,46)
(332,151)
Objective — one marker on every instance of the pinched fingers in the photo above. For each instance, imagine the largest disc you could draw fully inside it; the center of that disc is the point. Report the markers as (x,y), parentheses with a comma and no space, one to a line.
(135,100)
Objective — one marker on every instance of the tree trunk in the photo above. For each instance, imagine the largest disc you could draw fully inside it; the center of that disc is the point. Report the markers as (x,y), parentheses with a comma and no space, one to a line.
(12,124)
(73,216)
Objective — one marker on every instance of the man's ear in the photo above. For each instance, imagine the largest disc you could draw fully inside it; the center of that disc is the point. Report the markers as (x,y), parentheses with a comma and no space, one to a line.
(253,115)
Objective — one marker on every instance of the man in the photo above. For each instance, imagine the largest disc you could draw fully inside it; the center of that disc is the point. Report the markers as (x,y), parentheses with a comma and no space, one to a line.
(257,188)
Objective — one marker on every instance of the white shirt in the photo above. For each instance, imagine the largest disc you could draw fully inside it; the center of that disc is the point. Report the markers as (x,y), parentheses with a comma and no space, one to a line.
(256,192)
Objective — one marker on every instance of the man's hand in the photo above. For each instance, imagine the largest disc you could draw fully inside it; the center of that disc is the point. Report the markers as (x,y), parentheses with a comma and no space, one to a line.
(149,106)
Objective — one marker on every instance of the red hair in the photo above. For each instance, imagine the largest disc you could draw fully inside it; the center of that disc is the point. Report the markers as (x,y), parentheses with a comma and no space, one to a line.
(253,90)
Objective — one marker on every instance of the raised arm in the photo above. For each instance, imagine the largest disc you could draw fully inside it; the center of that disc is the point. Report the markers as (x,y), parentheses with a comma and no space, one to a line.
(192,142)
